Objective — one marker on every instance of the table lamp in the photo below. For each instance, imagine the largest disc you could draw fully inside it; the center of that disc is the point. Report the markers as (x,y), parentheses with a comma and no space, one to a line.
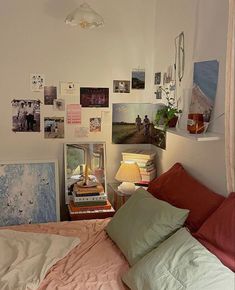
(128,173)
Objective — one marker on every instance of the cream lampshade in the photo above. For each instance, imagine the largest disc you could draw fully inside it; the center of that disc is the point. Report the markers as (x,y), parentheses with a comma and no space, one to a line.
(128,173)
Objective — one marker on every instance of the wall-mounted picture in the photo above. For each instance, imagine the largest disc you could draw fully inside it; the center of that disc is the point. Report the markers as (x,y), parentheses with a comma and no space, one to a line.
(37,82)
(158,78)
(73,114)
(158,93)
(94,97)
(159,138)
(84,163)
(205,80)
(133,123)
(25,115)
(53,127)
(59,105)
(50,94)
(121,86)
(95,124)
(29,192)
(138,79)
(69,89)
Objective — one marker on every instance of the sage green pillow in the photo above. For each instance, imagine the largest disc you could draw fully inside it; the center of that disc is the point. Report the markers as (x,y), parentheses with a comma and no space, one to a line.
(142,223)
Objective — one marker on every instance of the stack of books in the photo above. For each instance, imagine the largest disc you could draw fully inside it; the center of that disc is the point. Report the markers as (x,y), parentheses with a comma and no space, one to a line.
(145,159)
(90,198)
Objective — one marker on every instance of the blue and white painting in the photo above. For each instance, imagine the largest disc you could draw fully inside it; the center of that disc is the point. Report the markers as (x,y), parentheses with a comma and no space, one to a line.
(28,193)
(205,80)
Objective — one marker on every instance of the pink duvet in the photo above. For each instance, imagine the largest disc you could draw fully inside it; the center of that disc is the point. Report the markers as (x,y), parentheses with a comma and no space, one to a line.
(95,264)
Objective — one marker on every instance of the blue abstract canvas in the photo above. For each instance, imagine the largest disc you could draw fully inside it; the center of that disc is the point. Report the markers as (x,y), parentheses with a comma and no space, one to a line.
(28,193)
(205,80)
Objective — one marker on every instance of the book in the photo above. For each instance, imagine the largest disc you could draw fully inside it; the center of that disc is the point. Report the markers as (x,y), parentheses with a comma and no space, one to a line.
(149,173)
(147,168)
(88,193)
(90,203)
(140,162)
(140,154)
(101,197)
(83,190)
(75,207)
(142,183)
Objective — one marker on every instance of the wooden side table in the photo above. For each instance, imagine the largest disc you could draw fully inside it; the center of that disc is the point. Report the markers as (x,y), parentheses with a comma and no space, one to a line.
(75,214)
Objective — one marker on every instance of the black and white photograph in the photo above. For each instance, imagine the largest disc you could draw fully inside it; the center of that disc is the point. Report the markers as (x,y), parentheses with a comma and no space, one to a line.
(158,78)
(121,86)
(59,105)
(26,115)
(159,138)
(53,127)
(94,97)
(138,80)
(50,94)
(158,93)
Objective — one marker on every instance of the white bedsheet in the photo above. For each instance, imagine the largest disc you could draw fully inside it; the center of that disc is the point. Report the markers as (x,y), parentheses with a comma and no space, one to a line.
(25,258)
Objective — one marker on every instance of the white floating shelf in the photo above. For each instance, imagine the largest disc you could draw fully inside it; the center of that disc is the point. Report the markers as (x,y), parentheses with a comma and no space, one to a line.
(208,136)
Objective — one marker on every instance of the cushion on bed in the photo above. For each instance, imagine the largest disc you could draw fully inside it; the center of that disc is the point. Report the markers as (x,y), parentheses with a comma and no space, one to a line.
(142,223)
(179,263)
(217,233)
(182,190)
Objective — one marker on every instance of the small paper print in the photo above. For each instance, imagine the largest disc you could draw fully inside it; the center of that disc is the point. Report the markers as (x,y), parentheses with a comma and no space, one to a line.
(37,82)
(81,132)
(69,88)
(53,127)
(121,86)
(73,114)
(95,124)
(59,105)
(158,78)
(50,94)
(138,79)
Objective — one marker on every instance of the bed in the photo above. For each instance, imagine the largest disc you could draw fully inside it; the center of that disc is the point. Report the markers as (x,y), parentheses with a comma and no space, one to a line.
(167,246)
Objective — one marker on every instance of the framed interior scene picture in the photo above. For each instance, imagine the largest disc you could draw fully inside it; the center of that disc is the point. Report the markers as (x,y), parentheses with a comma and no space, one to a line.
(84,166)
(29,192)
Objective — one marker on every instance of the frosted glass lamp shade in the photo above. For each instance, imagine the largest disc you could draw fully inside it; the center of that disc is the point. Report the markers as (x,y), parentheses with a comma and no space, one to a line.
(85,17)
(128,173)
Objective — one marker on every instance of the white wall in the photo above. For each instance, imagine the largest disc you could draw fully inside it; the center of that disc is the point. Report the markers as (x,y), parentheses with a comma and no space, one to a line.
(35,39)
(204,23)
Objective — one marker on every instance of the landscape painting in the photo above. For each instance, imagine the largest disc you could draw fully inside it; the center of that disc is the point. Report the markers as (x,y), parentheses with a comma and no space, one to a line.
(132,123)
(205,81)
(28,192)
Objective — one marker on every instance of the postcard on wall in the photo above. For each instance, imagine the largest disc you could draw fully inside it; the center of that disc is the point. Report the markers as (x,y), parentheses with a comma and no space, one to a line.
(121,86)
(73,114)
(158,78)
(50,94)
(53,127)
(69,89)
(95,124)
(138,79)
(59,105)
(80,132)
(205,80)
(37,82)
(25,115)
(132,123)
(94,97)
(159,138)
(30,192)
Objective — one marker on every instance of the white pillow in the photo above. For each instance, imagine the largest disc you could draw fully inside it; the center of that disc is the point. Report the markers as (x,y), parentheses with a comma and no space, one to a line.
(180,262)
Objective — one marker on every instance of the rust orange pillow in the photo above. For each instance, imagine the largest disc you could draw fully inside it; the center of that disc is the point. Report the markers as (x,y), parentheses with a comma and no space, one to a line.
(180,189)
(217,233)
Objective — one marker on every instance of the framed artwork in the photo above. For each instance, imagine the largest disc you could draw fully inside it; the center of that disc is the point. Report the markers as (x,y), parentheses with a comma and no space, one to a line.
(25,115)
(94,97)
(138,80)
(50,94)
(158,78)
(121,86)
(29,192)
(81,159)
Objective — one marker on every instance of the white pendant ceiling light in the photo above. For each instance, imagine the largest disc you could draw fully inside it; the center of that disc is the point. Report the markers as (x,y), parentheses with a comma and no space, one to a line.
(85,17)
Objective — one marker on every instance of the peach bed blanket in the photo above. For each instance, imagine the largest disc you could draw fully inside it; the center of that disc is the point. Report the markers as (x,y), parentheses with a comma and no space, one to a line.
(95,264)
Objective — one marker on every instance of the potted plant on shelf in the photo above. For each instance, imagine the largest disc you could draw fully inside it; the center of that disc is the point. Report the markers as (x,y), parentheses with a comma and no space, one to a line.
(167,115)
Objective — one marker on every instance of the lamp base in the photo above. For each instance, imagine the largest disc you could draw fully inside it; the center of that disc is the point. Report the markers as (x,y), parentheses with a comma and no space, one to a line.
(127,187)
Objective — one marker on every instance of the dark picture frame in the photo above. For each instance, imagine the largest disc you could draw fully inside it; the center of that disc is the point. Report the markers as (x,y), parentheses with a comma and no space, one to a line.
(94,97)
